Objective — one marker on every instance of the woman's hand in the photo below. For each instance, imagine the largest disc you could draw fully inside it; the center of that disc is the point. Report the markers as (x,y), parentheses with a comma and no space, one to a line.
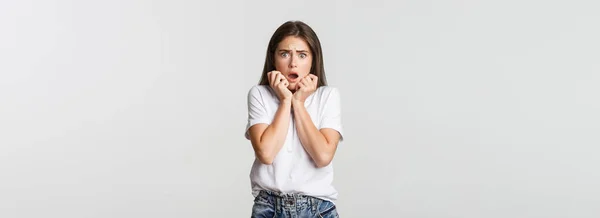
(306,86)
(279,84)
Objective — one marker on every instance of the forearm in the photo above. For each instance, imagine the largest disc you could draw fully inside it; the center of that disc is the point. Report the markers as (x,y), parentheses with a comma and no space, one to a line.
(313,141)
(274,135)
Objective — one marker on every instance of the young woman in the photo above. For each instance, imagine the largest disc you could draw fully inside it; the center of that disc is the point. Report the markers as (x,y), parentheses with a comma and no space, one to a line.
(294,125)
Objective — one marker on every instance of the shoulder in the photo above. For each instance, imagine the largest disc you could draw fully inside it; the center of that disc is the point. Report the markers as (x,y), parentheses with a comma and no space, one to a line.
(326,92)
(258,90)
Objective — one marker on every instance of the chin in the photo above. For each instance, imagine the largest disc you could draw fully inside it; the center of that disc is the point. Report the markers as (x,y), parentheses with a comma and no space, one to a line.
(292,87)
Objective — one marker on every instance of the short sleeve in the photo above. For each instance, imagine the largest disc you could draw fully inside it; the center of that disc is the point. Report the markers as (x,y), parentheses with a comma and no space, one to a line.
(257,112)
(332,114)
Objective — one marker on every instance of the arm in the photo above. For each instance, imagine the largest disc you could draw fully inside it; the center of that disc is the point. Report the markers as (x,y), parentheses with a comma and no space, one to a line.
(320,145)
(267,140)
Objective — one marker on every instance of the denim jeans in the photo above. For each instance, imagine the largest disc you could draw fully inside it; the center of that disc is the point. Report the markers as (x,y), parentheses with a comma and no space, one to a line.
(270,204)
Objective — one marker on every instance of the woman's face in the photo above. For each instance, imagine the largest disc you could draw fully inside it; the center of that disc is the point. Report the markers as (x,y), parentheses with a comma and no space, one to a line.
(293,59)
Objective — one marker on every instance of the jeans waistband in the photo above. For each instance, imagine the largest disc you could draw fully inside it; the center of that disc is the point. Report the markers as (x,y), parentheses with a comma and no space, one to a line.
(289,200)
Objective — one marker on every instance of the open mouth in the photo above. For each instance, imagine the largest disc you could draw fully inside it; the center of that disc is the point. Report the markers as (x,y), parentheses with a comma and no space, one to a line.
(293,76)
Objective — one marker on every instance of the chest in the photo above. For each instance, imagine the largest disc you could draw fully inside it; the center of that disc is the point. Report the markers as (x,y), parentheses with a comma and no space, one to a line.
(312,105)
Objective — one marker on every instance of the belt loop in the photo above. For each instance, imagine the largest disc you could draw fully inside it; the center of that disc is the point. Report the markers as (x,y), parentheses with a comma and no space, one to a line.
(276,203)
(313,205)
(296,198)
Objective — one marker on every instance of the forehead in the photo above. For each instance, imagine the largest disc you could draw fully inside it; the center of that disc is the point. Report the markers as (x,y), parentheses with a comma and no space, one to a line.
(293,43)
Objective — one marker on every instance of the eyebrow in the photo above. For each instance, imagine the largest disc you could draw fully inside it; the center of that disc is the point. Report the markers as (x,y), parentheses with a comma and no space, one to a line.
(291,50)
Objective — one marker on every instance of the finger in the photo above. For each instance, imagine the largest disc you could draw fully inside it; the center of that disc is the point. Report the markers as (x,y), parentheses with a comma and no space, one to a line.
(277,74)
(299,83)
(282,81)
(269,77)
(306,82)
(300,86)
(272,76)
(314,78)
(277,79)
(280,78)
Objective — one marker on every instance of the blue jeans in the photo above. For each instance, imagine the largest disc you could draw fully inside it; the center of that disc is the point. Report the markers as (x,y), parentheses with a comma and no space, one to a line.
(270,204)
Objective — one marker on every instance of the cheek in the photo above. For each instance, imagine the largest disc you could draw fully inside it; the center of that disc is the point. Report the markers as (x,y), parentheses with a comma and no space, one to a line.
(305,66)
(280,63)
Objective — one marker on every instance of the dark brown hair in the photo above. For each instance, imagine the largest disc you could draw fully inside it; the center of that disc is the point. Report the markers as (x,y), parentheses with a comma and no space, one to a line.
(297,29)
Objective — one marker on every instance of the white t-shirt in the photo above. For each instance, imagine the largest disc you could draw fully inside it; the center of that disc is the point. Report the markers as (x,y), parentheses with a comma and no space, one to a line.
(293,170)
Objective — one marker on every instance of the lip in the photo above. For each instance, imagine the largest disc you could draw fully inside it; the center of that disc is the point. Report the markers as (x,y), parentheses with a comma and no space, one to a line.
(292,79)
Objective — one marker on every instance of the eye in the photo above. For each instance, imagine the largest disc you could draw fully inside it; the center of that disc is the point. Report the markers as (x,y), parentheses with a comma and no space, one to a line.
(302,55)
(284,54)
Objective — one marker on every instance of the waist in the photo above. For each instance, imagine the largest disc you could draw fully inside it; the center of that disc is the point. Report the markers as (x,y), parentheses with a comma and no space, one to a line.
(288,200)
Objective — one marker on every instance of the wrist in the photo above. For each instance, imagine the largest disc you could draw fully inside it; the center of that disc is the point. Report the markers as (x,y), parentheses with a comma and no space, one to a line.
(297,102)
(285,101)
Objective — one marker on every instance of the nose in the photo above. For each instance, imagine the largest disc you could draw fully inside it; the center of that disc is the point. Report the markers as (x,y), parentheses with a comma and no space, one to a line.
(293,62)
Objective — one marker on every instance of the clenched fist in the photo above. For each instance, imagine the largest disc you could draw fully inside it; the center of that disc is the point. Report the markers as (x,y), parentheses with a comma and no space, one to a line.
(280,84)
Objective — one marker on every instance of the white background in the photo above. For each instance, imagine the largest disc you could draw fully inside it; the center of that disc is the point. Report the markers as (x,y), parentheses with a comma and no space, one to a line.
(455,108)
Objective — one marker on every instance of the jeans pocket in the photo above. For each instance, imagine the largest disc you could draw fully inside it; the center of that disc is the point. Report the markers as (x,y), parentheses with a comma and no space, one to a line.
(262,209)
(327,210)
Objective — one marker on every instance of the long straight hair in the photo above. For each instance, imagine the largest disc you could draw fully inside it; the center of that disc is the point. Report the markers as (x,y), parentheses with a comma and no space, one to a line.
(301,30)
